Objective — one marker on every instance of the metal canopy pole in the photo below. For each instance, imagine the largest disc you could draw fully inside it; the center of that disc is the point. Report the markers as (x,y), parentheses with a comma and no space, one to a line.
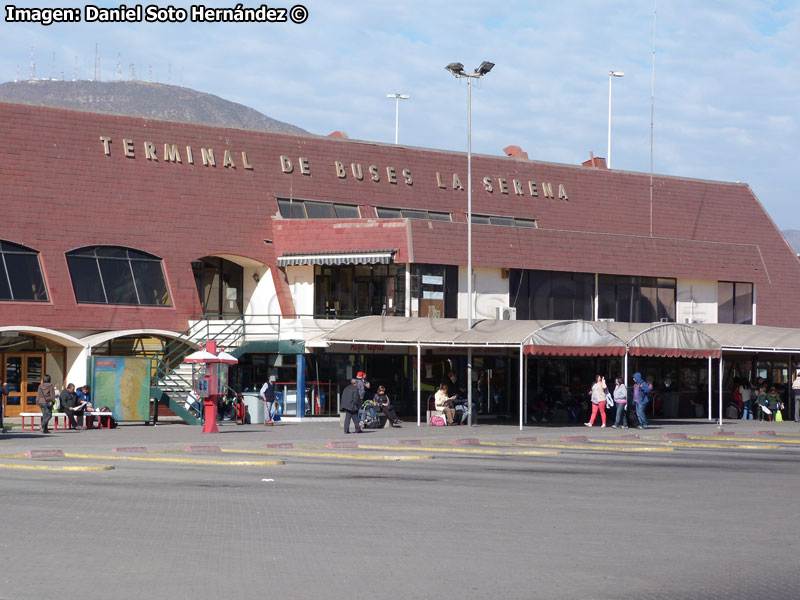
(525,397)
(419,384)
(521,386)
(709,388)
(720,389)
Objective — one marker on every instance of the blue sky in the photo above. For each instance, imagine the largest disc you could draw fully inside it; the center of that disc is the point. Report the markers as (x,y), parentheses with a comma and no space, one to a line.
(727,77)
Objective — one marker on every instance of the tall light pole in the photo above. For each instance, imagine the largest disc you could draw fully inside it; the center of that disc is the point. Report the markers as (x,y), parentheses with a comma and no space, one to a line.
(611,75)
(457,69)
(397,98)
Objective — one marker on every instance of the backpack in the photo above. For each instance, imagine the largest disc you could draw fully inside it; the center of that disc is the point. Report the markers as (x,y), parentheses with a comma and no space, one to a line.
(438,421)
(103,419)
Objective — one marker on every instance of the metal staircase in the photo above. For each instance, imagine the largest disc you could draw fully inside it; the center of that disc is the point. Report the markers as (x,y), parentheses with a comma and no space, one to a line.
(172,378)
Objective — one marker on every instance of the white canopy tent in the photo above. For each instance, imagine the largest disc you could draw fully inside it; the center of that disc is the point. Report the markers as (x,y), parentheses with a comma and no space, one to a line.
(565,338)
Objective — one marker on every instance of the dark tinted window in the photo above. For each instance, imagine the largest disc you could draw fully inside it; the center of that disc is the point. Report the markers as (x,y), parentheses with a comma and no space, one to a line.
(636,299)
(220,285)
(292,209)
(116,275)
(346,211)
(21,274)
(389,213)
(735,302)
(438,216)
(414,214)
(504,221)
(480,220)
(319,210)
(550,295)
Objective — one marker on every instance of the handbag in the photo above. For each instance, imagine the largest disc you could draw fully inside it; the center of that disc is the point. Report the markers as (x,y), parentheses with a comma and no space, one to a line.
(56,405)
(779,416)
(609,400)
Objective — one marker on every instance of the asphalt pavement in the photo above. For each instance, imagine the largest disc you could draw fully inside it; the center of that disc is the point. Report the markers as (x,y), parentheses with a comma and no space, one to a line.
(295,511)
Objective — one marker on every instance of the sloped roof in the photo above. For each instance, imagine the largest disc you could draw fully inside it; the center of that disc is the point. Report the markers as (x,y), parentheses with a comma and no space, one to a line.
(569,338)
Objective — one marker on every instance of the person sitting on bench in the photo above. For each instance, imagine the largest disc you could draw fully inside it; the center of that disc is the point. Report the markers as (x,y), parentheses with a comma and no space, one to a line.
(385,406)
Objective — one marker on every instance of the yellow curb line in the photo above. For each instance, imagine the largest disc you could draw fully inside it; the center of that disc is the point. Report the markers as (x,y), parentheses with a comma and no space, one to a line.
(463,450)
(576,446)
(18,455)
(734,446)
(290,452)
(57,467)
(768,439)
(194,461)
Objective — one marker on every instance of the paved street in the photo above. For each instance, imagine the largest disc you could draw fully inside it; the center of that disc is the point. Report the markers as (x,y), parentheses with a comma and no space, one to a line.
(700,517)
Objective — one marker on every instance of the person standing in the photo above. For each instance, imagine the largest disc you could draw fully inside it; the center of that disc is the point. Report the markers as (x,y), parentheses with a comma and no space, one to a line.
(362,385)
(3,396)
(45,398)
(746,394)
(599,390)
(68,400)
(621,404)
(267,394)
(796,395)
(641,396)
(350,404)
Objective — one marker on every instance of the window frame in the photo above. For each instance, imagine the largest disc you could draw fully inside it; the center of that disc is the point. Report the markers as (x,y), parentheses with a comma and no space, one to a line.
(104,257)
(36,280)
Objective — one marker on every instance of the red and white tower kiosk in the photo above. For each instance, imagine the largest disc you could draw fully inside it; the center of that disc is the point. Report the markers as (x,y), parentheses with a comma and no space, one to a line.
(210,380)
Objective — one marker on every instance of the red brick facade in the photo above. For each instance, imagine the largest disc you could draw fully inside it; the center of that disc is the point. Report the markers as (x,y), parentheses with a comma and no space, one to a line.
(61,191)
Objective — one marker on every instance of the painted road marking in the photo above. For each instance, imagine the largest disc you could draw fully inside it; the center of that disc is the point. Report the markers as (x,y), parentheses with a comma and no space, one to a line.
(354,456)
(453,450)
(45,467)
(192,461)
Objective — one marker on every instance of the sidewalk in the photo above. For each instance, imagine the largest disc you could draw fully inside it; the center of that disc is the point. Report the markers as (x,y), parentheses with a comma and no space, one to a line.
(173,434)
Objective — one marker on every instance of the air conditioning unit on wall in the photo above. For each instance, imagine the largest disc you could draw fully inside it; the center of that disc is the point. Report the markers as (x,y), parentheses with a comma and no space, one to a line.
(506,313)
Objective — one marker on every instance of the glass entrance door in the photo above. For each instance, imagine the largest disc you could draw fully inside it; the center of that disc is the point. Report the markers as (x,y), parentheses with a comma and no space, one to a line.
(22,374)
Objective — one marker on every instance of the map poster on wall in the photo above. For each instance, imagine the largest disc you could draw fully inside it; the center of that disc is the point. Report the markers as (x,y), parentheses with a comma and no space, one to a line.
(123,385)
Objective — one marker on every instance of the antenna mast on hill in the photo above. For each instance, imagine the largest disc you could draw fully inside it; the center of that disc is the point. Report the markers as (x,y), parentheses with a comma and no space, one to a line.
(96,62)
(149,73)
(53,67)
(119,68)
(75,70)
(652,107)
(133,72)
(33,65)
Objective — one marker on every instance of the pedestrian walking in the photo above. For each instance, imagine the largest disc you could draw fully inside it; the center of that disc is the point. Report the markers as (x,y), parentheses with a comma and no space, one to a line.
(621,404)
(45,398)
(350,404)
(641,396)
(598,392)
(796,395)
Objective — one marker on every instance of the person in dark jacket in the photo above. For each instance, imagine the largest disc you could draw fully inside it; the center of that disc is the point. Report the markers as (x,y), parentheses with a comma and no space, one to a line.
(385,406)
(3,396)
(350,404)
(69,400)
(45,398)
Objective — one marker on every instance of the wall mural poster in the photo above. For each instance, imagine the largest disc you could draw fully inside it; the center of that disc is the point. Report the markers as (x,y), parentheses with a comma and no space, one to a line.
(123,385)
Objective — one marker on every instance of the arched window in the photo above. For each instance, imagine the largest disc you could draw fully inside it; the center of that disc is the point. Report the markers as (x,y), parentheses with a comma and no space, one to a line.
(115,275)
(21,274)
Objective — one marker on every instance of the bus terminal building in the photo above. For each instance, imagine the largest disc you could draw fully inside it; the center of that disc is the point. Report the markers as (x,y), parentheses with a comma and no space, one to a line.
(132,237)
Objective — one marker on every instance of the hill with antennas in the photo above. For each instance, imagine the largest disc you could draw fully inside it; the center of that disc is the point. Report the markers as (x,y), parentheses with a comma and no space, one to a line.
(142,99)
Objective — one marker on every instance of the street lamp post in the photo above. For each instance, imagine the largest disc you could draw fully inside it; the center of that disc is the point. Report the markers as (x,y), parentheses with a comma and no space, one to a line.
(611,75)
(457,69)
(397,98)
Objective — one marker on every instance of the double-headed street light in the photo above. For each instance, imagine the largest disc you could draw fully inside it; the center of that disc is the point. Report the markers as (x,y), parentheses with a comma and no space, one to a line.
(457,69)
(397,98)
(611,75)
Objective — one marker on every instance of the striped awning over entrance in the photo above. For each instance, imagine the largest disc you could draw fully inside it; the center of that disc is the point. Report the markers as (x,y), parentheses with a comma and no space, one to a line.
(350,257)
